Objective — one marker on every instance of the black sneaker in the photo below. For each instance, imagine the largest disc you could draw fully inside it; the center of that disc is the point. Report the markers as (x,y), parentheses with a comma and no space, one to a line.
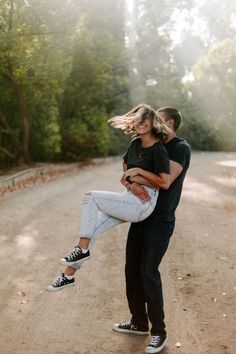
(75,257)
(156,344)
(128,327)
(60,283)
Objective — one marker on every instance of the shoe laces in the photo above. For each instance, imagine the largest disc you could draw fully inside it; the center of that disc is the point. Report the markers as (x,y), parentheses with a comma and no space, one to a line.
(128,325)
(155,340)
(74,253)
(59,280)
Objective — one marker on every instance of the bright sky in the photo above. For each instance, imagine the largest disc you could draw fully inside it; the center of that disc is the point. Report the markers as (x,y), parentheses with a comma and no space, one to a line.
(130,5)
(181,18)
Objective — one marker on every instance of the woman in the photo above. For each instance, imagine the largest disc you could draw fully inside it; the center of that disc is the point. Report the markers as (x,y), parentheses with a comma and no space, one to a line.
(146,157)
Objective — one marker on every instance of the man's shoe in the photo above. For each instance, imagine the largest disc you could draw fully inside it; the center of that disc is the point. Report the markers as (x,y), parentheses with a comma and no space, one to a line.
(128,327)
(156,344)
(75,257)
(60,283)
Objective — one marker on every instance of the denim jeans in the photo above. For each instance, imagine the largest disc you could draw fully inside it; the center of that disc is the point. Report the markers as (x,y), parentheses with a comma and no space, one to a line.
(104,210)
(146,245)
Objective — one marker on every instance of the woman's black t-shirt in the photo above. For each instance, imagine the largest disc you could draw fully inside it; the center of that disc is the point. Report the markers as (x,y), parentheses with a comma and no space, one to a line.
(153,158)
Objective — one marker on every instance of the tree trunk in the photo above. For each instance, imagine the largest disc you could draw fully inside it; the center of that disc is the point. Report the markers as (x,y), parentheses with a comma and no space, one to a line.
(10,132)
(24,113)
(7,153)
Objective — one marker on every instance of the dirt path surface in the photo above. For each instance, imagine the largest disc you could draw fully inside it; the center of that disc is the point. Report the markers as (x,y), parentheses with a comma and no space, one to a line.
(38,225)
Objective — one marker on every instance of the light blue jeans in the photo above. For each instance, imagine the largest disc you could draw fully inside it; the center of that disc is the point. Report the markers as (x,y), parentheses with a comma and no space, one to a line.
(104,210)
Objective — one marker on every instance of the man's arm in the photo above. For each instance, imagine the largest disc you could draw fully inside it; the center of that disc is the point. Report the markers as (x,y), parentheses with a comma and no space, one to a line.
(160,180)
(141,193)
(175,170)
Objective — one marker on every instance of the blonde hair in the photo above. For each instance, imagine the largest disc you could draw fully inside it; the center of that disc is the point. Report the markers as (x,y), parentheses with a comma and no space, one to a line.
(137,115)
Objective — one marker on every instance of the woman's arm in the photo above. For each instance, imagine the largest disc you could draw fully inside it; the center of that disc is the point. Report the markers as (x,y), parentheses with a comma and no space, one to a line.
(122,180)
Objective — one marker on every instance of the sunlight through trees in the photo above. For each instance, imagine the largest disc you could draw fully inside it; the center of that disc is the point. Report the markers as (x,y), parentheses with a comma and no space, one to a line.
(67,66)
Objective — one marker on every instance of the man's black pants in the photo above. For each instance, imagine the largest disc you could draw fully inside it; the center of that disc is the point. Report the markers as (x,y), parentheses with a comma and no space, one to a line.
(146,245)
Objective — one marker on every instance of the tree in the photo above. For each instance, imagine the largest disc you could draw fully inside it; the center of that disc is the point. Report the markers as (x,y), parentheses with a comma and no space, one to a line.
(97,85)
(34,48)
(213,90)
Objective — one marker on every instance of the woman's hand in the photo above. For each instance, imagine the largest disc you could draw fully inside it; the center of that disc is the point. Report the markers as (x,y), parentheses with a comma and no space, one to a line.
(123,181)
(132,172)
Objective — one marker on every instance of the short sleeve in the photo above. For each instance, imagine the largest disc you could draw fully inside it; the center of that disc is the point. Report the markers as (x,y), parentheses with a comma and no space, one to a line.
(182,154)
(125,157)
(161,160)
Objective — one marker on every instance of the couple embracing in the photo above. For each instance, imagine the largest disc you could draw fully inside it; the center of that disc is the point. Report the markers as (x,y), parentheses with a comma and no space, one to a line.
(154,168)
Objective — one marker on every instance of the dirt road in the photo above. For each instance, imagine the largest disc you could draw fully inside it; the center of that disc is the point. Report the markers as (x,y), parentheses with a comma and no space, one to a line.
(38,225)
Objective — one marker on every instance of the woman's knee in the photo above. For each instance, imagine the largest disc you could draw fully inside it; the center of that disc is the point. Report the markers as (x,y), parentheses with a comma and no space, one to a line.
(87,196)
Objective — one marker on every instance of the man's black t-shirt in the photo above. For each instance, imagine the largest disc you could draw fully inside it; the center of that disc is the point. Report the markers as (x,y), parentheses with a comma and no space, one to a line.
(153,158)
(179,151)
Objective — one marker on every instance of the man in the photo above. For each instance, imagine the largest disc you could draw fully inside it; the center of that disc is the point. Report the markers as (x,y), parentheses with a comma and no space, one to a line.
(148,241)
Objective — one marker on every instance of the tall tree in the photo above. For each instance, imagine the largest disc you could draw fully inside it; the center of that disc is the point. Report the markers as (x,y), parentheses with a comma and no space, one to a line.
(97,85)
(213,90)
(34,44)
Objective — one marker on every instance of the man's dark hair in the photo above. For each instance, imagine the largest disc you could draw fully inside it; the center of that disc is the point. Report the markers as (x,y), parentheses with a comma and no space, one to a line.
(171,113)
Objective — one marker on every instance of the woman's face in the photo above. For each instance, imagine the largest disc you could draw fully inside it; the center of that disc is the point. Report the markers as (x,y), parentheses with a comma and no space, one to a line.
(143,127)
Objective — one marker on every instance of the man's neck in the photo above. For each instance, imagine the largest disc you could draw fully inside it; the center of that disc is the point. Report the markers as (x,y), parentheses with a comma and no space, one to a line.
(170,137)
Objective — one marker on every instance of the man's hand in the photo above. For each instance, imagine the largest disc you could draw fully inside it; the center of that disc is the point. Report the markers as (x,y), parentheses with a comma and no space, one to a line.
(139,192)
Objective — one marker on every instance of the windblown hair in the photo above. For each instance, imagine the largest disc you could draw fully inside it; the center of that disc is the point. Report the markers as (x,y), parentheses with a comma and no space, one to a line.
(171,113)
(137,115)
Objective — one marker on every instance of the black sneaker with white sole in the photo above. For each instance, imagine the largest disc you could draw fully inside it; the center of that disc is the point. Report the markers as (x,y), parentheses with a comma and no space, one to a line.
(60,283)
(156,344)
(128,327)
(75,257)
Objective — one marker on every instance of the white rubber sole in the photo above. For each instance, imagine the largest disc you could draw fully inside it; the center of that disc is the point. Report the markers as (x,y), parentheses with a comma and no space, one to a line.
(151,350)
(120,330)
(65,263)
(52,289)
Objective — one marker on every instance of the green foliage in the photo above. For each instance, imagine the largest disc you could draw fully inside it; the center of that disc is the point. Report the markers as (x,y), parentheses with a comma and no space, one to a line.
(34,62)
(118,142)
(97,86)
(213,91)
(66,67)
(84,138)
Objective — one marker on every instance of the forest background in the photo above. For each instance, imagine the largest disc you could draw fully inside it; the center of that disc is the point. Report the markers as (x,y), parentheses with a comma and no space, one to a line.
(66,66)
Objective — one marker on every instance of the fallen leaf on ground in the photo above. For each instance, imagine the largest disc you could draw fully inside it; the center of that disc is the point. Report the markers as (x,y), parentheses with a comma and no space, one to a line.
(24,302)
(20,293)
(178,344)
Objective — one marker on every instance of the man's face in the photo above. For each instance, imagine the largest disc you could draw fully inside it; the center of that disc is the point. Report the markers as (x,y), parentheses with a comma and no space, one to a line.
(169,122)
